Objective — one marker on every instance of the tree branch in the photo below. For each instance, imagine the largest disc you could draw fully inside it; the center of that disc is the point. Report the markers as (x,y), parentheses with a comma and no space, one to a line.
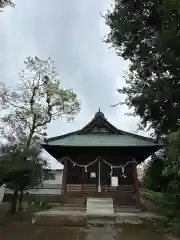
(16,106)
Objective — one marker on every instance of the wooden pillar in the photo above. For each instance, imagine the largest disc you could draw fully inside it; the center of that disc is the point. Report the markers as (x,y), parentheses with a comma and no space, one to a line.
(83,183)
(99,176)
(64,178)
(136,184)
(83,180)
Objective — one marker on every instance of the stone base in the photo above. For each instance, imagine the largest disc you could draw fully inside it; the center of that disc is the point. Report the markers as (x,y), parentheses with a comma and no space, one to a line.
(67,218)
(59,219)
(100,221)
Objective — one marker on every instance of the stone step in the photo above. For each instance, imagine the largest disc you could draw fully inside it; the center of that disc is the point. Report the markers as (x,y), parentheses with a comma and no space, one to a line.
(100,206)
(71,209)
(127,210)
(100,220)
(100,209)
(100,213)
(100,200)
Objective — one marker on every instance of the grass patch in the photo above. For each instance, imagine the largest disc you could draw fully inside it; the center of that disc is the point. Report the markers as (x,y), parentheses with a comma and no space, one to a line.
(159,210)
(158,203)
(163,205)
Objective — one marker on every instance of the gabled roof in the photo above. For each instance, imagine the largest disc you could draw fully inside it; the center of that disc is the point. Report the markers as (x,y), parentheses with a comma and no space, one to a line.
(100,121)
(90,136)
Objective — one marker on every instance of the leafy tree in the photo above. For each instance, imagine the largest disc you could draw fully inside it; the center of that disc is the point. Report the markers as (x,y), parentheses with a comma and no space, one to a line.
(5,3)
(32,104)
(147,33)
(17,173)
(162,174)
(153,178)
(173,161)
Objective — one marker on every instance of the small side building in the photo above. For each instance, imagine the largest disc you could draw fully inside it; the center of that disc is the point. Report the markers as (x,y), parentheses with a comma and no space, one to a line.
(48,190)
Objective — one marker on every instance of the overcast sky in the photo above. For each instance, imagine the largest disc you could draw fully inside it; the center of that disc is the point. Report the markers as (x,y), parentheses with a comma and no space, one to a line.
(71,33)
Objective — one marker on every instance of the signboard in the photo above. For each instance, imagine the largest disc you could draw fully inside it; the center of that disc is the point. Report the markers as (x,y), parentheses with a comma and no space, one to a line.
(93,175)
(114,181)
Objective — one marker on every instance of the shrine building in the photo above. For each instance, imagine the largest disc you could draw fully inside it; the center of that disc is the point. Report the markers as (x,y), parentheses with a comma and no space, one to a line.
(101,161)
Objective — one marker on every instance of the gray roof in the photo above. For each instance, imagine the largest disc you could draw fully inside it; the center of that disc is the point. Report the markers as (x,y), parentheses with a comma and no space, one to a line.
(101,140)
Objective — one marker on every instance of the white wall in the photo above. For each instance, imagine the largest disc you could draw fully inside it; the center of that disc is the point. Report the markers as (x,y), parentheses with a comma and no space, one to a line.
(53,184)
(45,191)
(2,190)
(39,191)
(49,187)
(56,181)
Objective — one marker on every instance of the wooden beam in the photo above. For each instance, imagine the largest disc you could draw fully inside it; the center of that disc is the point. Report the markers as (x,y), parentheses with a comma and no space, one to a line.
(64,178)
(136,184)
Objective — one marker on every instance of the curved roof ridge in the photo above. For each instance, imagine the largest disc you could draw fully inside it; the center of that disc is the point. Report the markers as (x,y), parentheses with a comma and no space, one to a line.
(100,117)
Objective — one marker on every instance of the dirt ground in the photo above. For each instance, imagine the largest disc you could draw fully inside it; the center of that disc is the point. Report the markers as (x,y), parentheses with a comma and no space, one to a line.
(29,232)
(24,231)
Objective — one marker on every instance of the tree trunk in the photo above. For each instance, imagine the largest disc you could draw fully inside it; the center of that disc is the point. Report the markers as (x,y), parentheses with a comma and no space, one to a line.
(20,200)
(29,139)
(13,208)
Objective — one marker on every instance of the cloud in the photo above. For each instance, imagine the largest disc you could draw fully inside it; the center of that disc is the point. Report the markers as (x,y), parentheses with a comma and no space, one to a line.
(70,32)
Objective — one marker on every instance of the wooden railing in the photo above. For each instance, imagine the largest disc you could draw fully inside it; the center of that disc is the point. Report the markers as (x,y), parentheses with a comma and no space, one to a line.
(121,188)
(74,188)
(87,188)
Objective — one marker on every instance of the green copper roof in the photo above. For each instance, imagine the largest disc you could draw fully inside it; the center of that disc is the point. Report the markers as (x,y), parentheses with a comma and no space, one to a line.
(101,140)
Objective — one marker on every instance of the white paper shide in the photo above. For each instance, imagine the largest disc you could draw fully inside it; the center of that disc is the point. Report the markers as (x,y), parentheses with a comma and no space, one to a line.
(114,181)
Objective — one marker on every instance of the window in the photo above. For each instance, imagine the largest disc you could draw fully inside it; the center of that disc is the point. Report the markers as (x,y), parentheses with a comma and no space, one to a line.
(51,176)
(48,175)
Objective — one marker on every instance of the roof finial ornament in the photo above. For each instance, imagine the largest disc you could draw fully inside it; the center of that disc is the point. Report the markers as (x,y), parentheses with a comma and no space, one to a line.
(99,114)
